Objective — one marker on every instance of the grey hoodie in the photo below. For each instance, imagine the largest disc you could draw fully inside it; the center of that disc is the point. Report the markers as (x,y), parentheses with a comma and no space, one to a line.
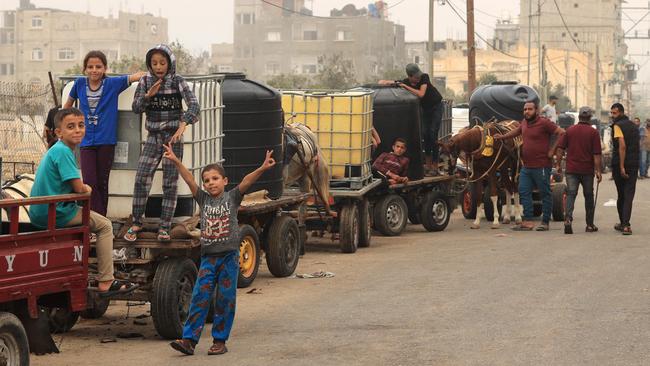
(165,109)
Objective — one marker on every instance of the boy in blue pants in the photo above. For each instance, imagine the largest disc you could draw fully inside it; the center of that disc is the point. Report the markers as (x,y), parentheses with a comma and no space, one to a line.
(219,252)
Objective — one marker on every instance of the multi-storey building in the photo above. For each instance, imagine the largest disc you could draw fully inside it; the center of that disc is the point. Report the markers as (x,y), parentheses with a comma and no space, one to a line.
(288,39)
(34,40)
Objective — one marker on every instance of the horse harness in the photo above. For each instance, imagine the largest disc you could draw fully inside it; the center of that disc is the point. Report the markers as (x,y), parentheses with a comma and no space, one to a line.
(486,149)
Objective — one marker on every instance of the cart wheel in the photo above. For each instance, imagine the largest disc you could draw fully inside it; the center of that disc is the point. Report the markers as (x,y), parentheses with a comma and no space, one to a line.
(61,320)
(283,246)
(172,293)
(249,256)
(559,201)
(14,347)
(349,228)
(365,225)
(97,307)
(468,204)
(390,215)
(435,212)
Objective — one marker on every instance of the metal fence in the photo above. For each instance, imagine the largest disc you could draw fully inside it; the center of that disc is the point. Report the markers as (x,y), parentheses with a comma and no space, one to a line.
(23,109)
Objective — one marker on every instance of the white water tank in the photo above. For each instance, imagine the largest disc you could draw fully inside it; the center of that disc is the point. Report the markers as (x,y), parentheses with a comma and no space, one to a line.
(202,143)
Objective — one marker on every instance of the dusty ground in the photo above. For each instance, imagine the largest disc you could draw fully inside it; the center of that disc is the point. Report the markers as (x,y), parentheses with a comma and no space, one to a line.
(460,297)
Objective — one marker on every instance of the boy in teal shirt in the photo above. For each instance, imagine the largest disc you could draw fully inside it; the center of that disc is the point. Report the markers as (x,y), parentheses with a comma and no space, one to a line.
(58,174)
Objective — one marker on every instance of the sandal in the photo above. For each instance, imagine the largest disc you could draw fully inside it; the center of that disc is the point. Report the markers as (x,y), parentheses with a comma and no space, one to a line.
(132,234)
(217,348)
(627,230)
(163,235)
(522,228)
(185,346)
(618,227)
(591,228)
(542,227)
(118,288)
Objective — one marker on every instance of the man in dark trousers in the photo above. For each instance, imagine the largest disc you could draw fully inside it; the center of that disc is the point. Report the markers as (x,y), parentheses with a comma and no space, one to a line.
(625,164)
(582,144)
(537,154)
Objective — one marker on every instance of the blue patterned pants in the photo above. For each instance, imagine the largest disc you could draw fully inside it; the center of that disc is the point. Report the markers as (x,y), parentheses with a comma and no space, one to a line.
(149,160)
(222,272)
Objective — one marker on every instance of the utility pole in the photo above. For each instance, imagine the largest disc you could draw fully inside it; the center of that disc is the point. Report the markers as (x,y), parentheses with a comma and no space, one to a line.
(430,44)
(540,60)
(471,49)
(543,82)
(566,71)
(598,102)
(530,32)
(575,88)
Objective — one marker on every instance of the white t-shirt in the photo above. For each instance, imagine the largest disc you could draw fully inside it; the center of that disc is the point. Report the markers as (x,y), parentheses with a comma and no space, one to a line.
(549,112)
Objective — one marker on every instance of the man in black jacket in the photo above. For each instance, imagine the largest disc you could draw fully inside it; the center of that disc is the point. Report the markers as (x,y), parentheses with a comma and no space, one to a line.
(625,164)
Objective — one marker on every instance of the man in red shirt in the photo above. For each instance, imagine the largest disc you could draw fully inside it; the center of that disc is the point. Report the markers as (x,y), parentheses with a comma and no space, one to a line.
(537,154)
(393,165)
(582,144)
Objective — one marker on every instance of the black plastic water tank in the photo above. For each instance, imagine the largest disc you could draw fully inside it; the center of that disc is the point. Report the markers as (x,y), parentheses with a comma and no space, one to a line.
(565,120)
(252,124)
(501,101)
(397,114)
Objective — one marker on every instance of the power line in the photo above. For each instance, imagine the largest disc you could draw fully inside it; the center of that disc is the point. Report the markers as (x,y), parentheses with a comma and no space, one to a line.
(565,25)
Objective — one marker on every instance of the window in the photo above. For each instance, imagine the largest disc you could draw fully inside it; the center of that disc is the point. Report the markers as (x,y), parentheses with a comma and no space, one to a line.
(309,69)
(6,36)
(416,60)
(6,69)
(246,18)
(273,36)
(310,35)
(37,54)
(272,68)
(65,54)
(132,25)
(37,22)
(343,35)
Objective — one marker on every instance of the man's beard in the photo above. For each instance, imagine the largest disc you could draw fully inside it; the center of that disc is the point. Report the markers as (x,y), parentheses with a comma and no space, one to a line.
(532,118)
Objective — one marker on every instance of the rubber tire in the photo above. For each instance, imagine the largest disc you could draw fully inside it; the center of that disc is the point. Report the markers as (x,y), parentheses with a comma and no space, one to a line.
(433,219)
(97,310)
(349,228)
(381,211)
(467,204)
(61,320)
(247,231)
(283,246)
(13,334)
(558,193)
(365,224)
(174,277)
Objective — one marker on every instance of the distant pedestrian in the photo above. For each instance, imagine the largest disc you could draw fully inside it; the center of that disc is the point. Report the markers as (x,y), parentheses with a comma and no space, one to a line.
(625,164)
(98,95)
(584,157)
(644,134)
(550,110)
(220,239)
(537,155)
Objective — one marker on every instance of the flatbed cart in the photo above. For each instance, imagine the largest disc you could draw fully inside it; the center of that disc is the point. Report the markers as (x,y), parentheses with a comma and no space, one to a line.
(167,271)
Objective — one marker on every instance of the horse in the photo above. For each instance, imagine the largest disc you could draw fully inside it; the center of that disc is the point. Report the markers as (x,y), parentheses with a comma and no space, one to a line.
(485,161)
(304,162)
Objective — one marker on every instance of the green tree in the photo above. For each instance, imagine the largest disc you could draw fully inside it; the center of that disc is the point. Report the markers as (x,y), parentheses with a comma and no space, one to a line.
(487,79)
(127,65)
(394,74)
(336,73)
(289,81)
(74,70)
(185,62)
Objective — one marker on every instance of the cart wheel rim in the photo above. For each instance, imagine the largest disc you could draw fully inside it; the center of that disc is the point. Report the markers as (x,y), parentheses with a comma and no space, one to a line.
(185,287)
(291,247)
(368,228)
(439,212)
(9,352)
(355,230)
(394,215)
(247,256)
(467,202)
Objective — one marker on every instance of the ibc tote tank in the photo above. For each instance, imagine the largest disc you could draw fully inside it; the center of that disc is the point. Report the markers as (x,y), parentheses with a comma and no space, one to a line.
(201,146)
(252,124)
(501,101)
(397,114)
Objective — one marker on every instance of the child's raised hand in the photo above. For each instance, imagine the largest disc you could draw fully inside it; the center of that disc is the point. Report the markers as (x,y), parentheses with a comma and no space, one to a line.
(169,153)
(154,89)
(269,162)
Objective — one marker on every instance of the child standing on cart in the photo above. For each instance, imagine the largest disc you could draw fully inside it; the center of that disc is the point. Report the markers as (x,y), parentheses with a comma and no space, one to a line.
(160,94)
(393,165)
(220,241)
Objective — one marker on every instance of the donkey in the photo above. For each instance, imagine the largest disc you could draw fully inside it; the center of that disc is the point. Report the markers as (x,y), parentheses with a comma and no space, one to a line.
(504,160)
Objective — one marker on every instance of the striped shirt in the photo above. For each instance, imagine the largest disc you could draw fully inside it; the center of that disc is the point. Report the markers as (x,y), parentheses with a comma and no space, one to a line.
(93,97)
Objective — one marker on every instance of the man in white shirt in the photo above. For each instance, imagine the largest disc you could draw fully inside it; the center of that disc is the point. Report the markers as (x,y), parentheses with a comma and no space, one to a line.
(549,110)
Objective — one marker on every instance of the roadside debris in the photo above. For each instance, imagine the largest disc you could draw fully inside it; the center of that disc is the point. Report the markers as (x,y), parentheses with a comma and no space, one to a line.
(139,322)
(108,340)
(254,291)
(129,335)
(610,203)
(319,274)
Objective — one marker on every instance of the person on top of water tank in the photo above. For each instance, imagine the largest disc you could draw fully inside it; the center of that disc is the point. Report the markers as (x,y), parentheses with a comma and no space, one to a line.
(419,84)
(549,111)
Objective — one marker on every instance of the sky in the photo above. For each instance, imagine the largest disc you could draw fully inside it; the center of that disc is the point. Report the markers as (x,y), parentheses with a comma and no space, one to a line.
(199,23)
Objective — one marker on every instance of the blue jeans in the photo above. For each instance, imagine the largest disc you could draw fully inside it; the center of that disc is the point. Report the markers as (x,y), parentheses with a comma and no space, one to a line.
(529,179)
(587,182)
(643,168)
(221,272)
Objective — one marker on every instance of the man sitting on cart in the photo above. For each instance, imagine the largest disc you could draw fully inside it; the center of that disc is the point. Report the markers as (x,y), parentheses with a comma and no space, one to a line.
(393,165)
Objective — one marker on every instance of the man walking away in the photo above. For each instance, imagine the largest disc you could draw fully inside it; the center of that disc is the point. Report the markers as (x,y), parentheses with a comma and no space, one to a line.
(582,144)
(549,111)
(625,164)
(644,132)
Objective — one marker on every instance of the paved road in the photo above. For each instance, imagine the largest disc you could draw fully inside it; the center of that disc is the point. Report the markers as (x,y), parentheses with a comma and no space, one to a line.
(461,297)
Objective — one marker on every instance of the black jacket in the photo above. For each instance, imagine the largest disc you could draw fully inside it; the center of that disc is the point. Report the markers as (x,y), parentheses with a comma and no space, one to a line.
(631,137)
